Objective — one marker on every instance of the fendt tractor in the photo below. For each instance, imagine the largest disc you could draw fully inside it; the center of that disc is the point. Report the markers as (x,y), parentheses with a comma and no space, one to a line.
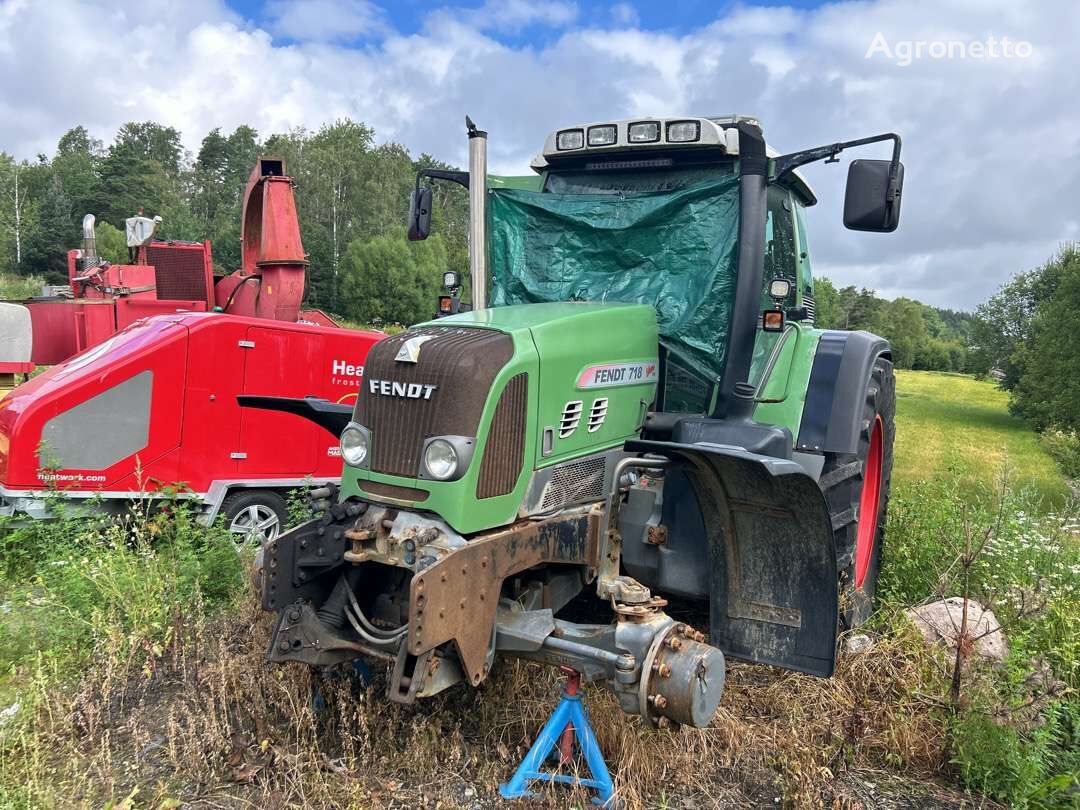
(637,408)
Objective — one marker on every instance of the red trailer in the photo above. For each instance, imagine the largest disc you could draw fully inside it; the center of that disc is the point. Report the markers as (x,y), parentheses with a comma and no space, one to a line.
(162,347)
(155,405)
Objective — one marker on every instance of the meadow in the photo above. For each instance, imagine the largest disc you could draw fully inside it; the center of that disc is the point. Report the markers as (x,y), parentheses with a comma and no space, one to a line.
(953,424)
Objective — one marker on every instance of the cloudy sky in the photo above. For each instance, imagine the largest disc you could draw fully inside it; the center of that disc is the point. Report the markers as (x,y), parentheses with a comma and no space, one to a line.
(984,94)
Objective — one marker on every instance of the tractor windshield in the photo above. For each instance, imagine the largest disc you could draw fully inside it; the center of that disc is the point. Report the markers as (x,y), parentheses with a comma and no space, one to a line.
(668,239)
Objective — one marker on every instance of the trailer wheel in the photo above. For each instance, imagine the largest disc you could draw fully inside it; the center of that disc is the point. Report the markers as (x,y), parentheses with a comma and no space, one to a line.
(857,490)
(254,516)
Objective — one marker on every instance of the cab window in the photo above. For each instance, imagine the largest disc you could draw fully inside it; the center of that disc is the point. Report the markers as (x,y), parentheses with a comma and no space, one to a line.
(781,254)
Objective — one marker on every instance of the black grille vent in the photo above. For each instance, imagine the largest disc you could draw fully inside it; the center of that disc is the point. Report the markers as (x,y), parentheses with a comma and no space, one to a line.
(505,451)
(460,363)
(179,272)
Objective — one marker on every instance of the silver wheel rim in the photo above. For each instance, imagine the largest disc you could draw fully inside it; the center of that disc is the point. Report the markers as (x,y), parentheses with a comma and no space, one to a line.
(254,525)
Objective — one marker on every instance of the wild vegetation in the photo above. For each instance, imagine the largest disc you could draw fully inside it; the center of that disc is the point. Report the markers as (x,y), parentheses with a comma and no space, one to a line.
(134,672)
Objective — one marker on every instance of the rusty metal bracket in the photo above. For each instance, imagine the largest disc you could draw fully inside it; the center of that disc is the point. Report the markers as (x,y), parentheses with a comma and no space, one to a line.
(404,686)
(456,598)
(610,558)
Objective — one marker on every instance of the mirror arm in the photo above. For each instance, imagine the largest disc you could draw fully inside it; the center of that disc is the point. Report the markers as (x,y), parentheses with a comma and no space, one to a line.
(793,160)
(461,178)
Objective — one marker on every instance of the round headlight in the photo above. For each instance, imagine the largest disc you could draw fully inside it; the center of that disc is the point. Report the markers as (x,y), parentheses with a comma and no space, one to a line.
(354,446)
(440,459)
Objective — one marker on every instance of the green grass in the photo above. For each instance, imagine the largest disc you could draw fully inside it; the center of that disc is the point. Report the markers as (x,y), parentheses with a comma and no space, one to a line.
(964,469)
(951,424)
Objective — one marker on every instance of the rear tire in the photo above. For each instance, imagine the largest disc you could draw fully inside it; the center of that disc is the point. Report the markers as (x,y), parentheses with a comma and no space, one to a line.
(856,488)
(254,516)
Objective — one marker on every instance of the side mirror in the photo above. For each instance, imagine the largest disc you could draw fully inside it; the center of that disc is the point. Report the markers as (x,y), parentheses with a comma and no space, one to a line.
(419,214)
(869,203)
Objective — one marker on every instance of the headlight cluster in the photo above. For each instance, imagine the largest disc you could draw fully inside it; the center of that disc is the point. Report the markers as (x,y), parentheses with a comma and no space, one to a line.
(570,139)
(445,458)
(440,459)
(355,445)
(637,132)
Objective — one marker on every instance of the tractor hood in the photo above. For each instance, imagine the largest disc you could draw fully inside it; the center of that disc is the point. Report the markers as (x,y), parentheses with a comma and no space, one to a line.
(520,391)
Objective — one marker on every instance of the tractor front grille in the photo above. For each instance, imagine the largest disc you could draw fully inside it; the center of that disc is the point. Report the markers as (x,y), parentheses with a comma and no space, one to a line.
(457,366)
(505,450)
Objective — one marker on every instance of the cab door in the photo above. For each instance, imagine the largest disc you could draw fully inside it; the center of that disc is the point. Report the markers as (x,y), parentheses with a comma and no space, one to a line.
(278,363)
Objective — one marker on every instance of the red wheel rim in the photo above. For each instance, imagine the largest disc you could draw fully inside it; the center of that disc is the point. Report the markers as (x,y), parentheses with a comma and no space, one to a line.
(868,506)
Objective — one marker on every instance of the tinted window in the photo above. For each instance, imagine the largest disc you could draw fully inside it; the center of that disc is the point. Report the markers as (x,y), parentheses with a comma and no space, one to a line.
(101,431)
(780,252)
(633,182)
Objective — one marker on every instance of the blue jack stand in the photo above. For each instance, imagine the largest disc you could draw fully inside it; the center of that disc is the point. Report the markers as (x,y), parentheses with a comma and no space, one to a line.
(556,739)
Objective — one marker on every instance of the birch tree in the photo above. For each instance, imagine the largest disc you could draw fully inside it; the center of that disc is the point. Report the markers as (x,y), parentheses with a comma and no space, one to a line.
(13,191)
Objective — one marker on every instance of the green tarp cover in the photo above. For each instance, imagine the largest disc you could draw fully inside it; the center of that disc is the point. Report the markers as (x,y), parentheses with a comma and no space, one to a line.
(676,250)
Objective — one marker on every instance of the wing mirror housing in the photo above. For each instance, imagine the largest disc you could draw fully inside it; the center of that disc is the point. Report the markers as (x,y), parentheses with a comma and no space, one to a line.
(872,198)
(419,214)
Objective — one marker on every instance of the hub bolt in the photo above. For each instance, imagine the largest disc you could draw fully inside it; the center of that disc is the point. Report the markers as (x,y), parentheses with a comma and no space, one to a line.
(675,643)
(658,701)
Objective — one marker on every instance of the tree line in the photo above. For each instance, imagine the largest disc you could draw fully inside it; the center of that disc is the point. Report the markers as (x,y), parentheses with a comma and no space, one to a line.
(1027,335)
(352,201)
(922,336)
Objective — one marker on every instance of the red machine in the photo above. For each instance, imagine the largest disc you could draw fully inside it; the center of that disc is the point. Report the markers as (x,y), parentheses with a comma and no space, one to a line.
(170,276)
(150,402)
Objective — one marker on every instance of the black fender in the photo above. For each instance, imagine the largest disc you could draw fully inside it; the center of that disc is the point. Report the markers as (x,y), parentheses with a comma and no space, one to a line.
(836,391)
(773,596)
(324,413)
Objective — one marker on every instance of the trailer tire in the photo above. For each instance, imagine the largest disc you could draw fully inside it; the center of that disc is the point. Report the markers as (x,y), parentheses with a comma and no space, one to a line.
(254,516)
(856,488)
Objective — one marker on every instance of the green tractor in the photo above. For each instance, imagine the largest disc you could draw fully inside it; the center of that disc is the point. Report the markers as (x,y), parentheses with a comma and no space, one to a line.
(636,409)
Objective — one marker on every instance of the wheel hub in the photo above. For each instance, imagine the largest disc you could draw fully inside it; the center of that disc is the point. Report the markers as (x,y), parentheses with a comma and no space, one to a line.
(869,502)
(255,524)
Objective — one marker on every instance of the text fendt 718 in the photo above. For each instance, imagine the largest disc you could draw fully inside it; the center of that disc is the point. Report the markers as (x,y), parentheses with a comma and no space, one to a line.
(636,408)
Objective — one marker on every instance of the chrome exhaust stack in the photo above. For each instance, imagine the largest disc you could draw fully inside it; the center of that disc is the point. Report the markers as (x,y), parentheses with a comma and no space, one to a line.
(90,256)
(477,214)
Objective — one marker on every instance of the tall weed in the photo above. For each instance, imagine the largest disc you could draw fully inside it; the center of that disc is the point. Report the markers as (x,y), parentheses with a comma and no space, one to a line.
(1014,736)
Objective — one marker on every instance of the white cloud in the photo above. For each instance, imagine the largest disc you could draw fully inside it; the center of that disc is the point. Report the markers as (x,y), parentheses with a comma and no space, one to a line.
(325,20)
(991,147)
(511,16)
